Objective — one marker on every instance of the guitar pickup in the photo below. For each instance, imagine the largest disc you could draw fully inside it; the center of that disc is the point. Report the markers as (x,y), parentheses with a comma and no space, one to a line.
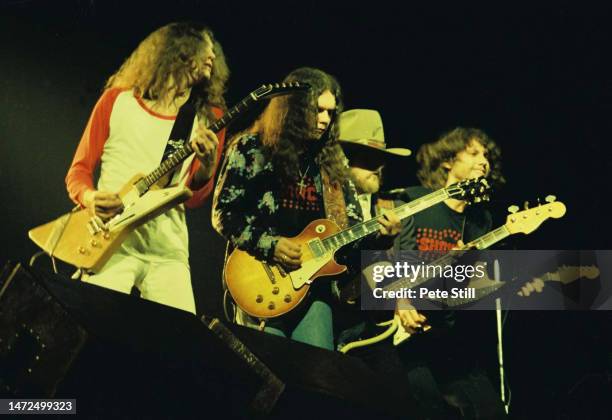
(269,272)
(93,227)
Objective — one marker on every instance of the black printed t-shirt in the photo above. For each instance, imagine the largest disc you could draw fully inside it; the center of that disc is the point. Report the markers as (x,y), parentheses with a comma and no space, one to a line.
(439,227)
(299,202)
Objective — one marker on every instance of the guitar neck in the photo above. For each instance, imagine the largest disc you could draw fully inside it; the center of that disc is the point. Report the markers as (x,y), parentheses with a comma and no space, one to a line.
(360,230)
(483,242)
(174,160)
(491,238)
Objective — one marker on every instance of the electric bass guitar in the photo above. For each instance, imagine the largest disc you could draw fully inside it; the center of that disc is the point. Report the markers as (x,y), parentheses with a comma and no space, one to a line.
(265,290)
(86,242)
(565,274)
(525,222)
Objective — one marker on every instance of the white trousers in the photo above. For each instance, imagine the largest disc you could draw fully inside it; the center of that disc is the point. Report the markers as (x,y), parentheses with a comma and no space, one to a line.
(167,282)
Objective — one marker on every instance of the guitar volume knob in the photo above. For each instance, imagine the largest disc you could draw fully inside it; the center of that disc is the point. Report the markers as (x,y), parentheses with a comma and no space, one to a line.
(271,306)
(275,290)
(259,299)
(287,298)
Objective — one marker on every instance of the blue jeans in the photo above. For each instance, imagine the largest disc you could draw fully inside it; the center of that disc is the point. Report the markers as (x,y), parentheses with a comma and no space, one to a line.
(315,327)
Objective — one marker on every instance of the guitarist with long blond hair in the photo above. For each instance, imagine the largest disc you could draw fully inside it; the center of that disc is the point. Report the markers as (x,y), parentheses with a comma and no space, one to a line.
(129,132)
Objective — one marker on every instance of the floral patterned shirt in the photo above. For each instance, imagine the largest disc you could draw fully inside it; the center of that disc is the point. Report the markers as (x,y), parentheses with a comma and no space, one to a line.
(252,206)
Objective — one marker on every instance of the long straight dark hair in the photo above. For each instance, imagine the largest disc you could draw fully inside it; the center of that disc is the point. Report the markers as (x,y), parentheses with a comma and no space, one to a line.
(287,126)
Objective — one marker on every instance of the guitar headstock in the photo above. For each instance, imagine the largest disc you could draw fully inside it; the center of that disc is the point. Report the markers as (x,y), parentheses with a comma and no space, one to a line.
(277,89)
(473,190)
(569,273)
(528,220)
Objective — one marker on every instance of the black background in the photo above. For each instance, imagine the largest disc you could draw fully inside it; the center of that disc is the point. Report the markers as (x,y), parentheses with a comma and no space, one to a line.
(535,79)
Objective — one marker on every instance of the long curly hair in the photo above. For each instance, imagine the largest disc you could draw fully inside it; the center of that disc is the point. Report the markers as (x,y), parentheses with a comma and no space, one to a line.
(431,156)
(164,64)
(287,127)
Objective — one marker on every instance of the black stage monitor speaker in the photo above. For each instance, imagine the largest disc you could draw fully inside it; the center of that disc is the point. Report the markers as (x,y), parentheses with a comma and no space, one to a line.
(121,356)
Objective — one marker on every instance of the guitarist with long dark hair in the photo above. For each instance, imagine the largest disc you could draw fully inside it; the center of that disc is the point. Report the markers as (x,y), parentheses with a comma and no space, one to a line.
(128,132)
(285,172)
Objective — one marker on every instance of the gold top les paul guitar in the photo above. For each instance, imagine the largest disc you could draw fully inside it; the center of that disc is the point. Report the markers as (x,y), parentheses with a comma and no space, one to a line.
(83,241)
(263,290)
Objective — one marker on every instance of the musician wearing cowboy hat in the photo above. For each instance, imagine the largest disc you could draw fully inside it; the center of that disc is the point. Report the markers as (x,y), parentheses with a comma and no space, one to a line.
(362,138)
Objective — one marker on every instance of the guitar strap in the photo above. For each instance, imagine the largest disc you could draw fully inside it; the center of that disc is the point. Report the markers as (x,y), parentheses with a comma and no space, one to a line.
(181,131)
(333,200)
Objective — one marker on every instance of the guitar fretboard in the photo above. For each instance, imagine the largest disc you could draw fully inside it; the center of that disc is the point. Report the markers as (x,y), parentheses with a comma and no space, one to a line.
(176,158)
(358,231)
(491,238)
(170,163)
(485,241)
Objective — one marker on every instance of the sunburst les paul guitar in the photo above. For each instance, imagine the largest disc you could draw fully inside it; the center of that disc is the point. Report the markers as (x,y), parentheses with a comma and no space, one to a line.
(85,242)
(524,222)
(265,290)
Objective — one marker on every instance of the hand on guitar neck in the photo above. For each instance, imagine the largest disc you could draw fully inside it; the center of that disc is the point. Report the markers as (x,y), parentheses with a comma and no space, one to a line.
(565,274)
(288,254)
(534,286)
(204,145)
(102,204)
(390,225)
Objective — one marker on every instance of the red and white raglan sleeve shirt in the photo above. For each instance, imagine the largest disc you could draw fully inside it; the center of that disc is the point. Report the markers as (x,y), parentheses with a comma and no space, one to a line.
(125,137)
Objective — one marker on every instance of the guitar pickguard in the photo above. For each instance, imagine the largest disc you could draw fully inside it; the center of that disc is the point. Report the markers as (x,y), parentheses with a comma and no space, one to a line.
(144,206)
(305,274)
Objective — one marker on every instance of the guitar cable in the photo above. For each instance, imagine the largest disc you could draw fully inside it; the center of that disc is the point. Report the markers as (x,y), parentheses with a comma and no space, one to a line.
(225,307)
(227,303)
(34,257)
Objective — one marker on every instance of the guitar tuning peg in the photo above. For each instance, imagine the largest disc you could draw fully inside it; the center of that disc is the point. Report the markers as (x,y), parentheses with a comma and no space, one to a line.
(550,198)
(513,209)
(526,205)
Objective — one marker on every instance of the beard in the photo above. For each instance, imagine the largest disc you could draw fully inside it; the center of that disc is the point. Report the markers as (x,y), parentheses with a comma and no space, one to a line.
(367,185)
